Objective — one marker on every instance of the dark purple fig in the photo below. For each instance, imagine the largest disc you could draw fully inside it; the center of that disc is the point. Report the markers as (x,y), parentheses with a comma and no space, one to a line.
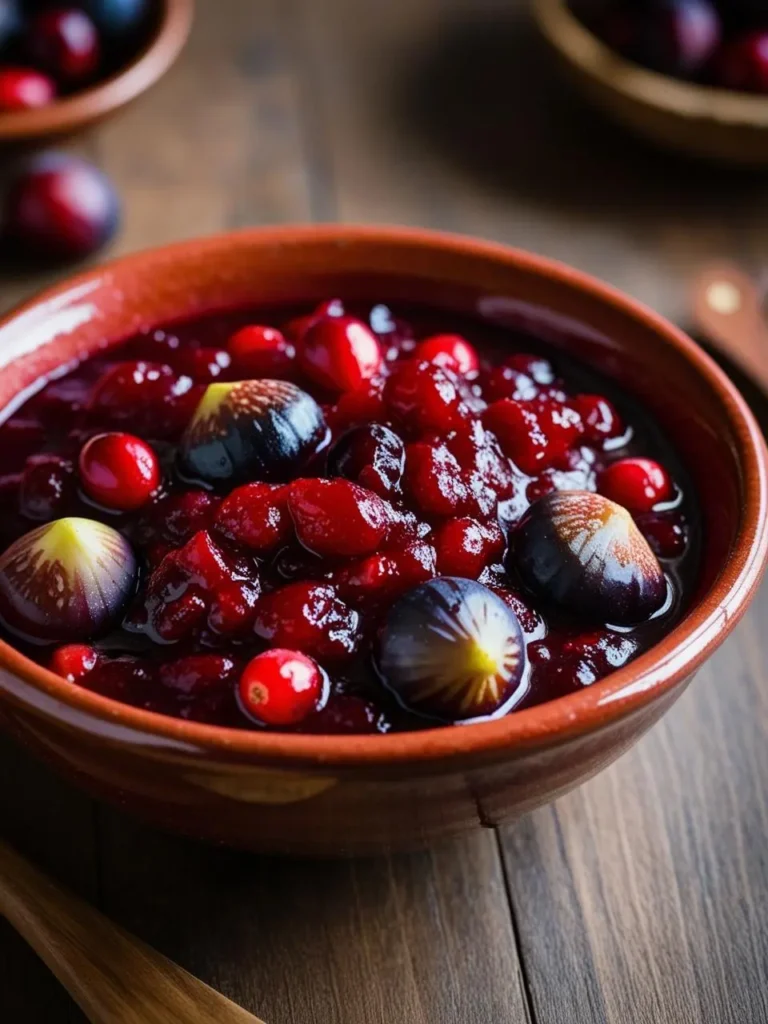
(66,581)
(451,649)
(585,553)
(251,430)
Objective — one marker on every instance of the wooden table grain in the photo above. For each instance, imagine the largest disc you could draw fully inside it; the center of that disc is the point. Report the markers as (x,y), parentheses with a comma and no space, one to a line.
(642,897)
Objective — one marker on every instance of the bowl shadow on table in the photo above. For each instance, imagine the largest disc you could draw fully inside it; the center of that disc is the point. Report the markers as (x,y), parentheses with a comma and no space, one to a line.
(485,95)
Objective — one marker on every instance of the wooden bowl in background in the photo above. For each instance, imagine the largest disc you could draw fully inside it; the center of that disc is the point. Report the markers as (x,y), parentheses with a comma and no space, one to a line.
(72,114)
(700,121)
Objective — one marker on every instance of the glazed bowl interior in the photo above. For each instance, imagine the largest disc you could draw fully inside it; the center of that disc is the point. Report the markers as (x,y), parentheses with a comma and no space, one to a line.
(71,114)
(700,412)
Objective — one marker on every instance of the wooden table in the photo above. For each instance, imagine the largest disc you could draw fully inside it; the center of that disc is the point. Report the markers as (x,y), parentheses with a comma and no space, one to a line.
(643,897)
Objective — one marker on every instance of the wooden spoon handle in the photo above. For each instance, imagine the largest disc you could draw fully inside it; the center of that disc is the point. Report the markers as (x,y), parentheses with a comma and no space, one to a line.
(728,310)
(113,977)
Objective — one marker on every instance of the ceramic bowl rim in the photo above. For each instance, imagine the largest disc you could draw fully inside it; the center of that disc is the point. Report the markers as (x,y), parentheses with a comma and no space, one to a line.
(108,95)
(631,688)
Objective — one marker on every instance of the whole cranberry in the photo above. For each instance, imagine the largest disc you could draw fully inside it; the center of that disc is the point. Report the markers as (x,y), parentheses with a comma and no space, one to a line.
(25,89)
(74,662)
(60,207)
(449,350)
(601,420)
(742,64)
(637,484)
(373,456)
(337,518)
(46,488)
(281,687)
(678,37)
(119,471)
(309,617)
(64,42)
(425,397)
(258,351)
(256,517)
(340,353)
(149,399)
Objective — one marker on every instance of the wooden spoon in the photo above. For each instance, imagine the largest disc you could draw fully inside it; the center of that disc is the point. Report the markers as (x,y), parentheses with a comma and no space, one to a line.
(727,308)
(113,977)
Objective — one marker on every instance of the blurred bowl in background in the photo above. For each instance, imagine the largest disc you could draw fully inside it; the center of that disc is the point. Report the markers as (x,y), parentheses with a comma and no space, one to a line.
(700,121)
(73,113)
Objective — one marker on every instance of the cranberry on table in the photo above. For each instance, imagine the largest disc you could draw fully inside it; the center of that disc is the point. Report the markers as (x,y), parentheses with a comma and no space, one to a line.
(58,208)
(637,484)
(119,471)
(258,351)
(742,63)
(449,350)
(25,89)
(65,43)
(281,688)
(340,353)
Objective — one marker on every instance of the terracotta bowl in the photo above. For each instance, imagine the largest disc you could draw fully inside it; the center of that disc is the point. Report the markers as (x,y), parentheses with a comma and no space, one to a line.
(74,113)
(701,121)
(328,794)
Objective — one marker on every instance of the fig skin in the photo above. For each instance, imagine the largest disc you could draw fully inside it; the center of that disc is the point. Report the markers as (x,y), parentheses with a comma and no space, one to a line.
(251,430)
(66,581)
(585,554)
(451,649)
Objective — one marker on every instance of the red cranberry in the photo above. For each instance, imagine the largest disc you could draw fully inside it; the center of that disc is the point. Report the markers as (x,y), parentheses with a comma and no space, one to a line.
(507,382)
(346,715)
(678,37)
(340,353)
(742,64)
(433,480)
(175,518)
(308,617)
(478,451)
(383,577)
(65,43)
(119,471)
(256,517)
(665,533)
(60,208)
(201,685)
(464,546)
(25,89)
(534,435)
(336,518)
(148,398)
(600,419)
(74,661)
(258,351)
(363,405)
(536,368)
(450,351)
(425,397)
(281,688)
(372,456)
(46,488)
(204,364)
(637,484)
(126,679)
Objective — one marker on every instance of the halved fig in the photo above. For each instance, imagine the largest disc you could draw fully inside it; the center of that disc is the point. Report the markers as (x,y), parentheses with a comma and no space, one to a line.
(251,430)
(452,650)
(584,553)
(66,581)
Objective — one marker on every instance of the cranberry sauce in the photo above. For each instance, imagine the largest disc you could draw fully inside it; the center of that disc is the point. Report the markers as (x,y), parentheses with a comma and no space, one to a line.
(338,520)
